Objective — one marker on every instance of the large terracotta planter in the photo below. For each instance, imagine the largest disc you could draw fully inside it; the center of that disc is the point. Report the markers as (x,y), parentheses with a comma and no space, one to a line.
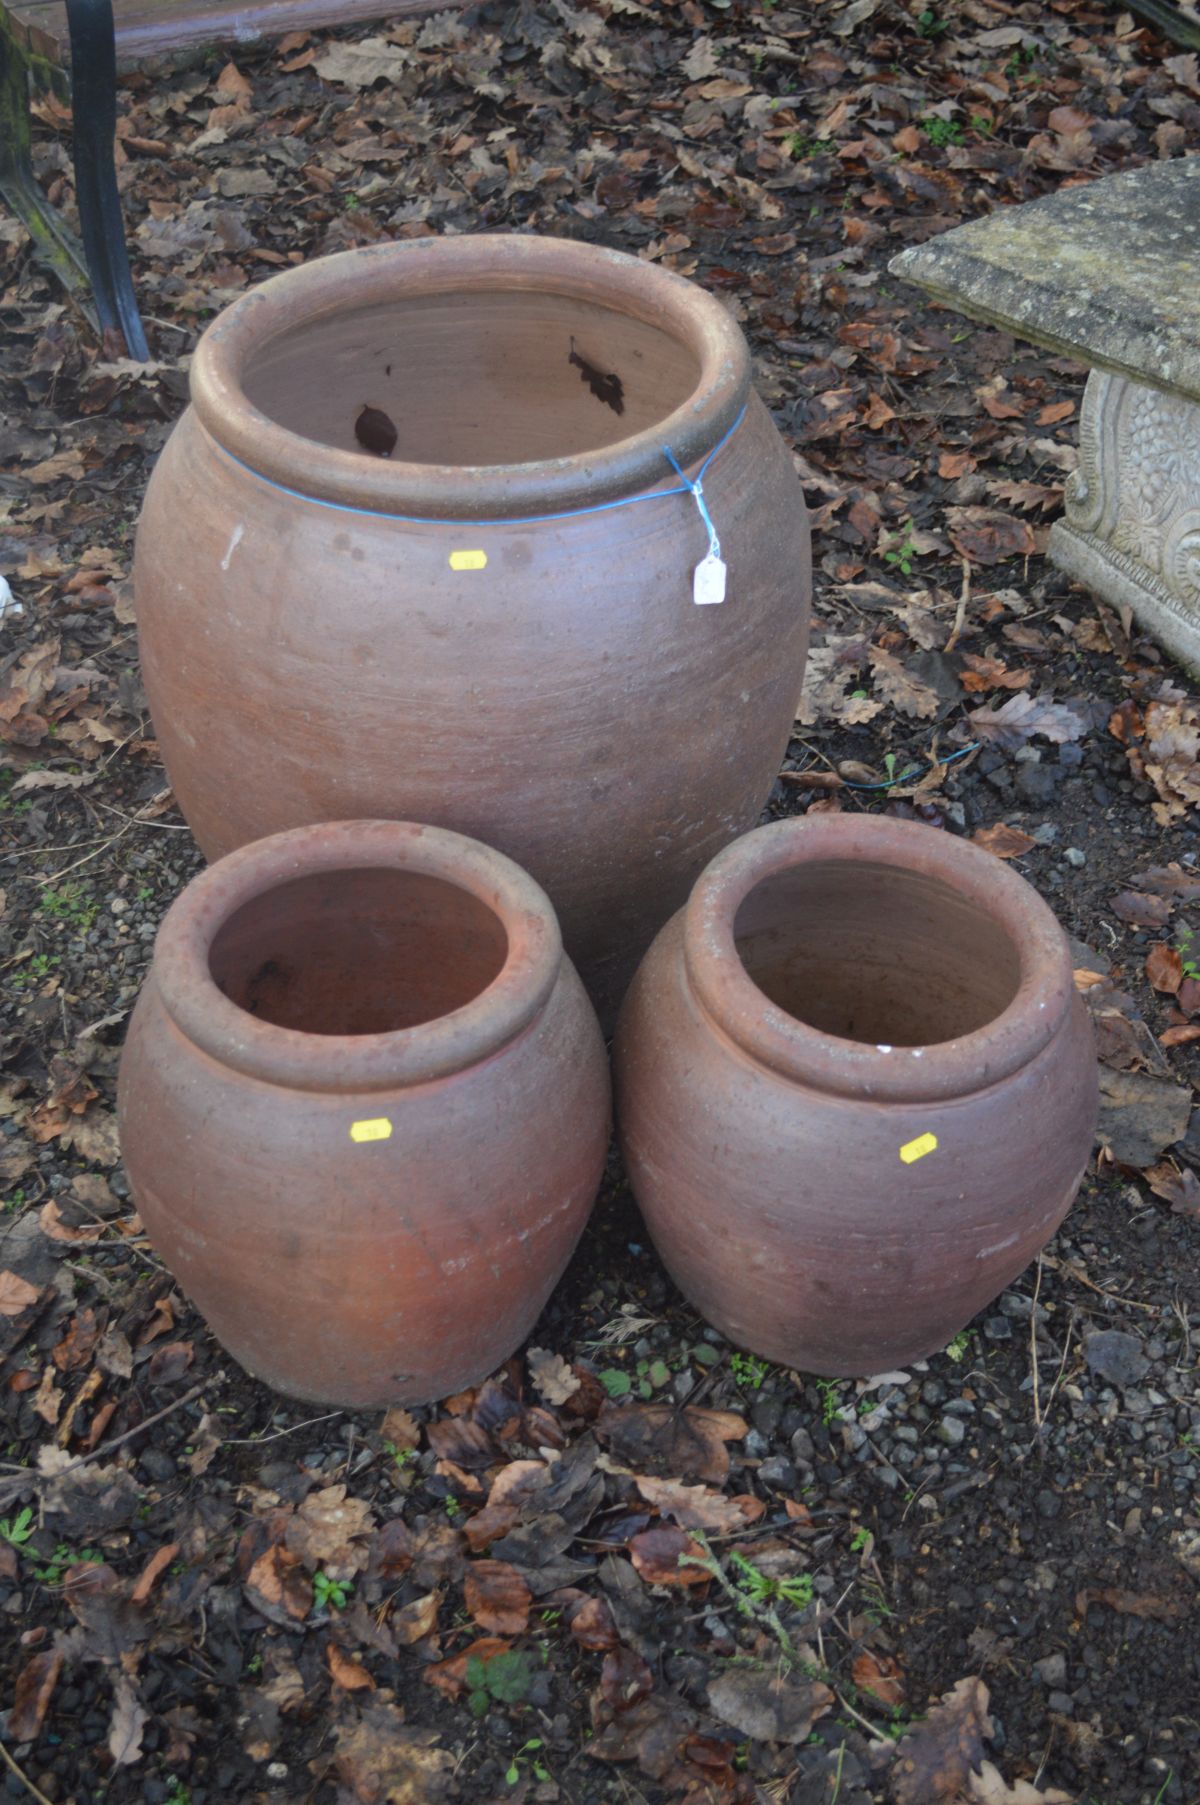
(856,1089)
(364,1108)
(476,630)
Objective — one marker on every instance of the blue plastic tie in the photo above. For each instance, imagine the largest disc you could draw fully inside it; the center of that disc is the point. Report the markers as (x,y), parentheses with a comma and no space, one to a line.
(696,490)
(686,486)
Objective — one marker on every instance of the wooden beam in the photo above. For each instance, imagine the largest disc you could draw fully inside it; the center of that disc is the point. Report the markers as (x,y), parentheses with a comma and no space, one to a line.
(160,27)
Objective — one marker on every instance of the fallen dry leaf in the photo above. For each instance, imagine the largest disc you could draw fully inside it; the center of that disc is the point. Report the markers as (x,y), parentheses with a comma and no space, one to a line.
(49,1399)
(1177,1185)
(879,1675)
(52,1225)
(988,536)
(32,1693)
(464,1442)
(699,1507)
(624,1678)
(346,1672)
(553,1379)
(78,1344)
(384,1761)
(150,1572)
(392,1550)
(934,1762)
(988,1787)
(661,1554)
(497,1597)
(1022,717)
(169,1363)
(332,1531)
(401,1429)
(1133,1604)
(489,1524)
(1140,1115)
(413,1622)
(767,1705)
(651,1732)
(1163,748)
(450,1676)
(1004,841)
(277,1586)
(593,1626)
(16,1294)
(1170,881)
(363,64)
(686,1443)
(129,1720)
(94,1137)
(1178,1037)
(899,687)
(23,690)
(1140,909)
(1164,968)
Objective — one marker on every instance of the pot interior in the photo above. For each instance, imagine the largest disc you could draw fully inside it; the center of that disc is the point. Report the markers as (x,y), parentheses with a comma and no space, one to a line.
(474,378)
(876,953)
(361,951)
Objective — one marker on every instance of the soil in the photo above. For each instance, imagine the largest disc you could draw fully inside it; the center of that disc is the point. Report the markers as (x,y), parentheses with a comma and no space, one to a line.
(1012,1527)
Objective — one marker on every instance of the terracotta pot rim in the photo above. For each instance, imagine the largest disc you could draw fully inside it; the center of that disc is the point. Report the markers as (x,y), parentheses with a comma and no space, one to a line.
(827,1062)
(299,1060)
(351,280)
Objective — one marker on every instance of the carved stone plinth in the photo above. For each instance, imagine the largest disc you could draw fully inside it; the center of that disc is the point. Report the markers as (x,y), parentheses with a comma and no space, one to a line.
(1131,528)
(1108,272)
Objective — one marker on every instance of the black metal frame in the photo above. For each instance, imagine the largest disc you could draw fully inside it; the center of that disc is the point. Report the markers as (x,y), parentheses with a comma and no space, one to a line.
(101,264)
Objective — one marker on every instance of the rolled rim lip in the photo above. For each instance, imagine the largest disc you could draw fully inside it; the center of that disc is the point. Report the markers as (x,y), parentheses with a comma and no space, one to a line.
(356,1062)
(826,1062)
(350,281)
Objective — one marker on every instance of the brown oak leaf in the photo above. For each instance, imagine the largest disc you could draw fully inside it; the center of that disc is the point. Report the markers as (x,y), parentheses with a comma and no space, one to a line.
(934,1762)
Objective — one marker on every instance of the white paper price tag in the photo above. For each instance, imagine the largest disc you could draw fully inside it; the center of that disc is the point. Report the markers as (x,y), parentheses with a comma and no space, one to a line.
(708,581)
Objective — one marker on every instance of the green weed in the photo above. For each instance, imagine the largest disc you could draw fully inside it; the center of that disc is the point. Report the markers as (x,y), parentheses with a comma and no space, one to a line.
(62,1558)
(799,145)
(748,1372)
(527,1756)
(901,556)
(503,1679)
(18,1529)
(941,132)
(71,903)
(330,1594)
(34,970)
(830,1404)
(759,1588)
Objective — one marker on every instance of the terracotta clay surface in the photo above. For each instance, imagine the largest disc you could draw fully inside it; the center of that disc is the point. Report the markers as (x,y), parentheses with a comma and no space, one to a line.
(327,633)
(364,1108)
(856,1089)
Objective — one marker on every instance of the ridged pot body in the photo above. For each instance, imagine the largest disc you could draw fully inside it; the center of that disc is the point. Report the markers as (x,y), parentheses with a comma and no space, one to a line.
(312,652)
(387,1232)
(838,1206)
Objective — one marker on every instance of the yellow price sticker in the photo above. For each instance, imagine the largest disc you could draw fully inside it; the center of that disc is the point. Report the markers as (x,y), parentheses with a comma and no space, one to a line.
(924,1143)
(468,560)
(377,1128)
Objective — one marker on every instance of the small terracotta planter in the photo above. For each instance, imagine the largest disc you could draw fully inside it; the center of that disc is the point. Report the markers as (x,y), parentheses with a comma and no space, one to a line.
(364,1108)
(491,628)
(856,1089)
